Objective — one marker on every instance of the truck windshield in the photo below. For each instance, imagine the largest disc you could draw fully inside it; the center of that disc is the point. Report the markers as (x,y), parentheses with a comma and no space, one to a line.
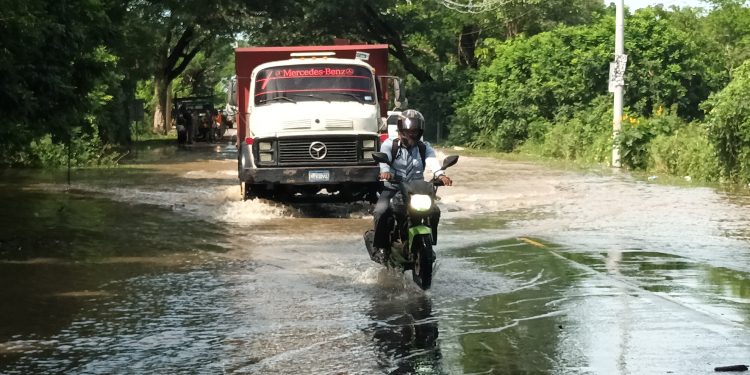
(315,82)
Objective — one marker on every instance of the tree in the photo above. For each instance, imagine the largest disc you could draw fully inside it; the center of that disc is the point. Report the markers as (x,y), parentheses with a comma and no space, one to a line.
(181,29)
(545,78)
(728,118)
(729,26)
(52,59)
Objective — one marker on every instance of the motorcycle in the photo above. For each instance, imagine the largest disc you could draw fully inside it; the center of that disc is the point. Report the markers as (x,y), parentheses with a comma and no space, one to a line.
(412,233)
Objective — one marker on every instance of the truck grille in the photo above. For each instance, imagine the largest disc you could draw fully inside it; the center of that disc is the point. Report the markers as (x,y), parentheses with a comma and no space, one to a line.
(335,151)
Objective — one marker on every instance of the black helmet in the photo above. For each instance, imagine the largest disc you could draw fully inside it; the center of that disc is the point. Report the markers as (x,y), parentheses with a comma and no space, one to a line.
(411,119)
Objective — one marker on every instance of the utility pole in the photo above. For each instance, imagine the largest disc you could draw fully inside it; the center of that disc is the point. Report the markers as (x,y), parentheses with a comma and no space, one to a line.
(617,80)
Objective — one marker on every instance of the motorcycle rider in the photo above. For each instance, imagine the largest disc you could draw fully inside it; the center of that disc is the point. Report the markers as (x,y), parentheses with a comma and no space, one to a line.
(411,157)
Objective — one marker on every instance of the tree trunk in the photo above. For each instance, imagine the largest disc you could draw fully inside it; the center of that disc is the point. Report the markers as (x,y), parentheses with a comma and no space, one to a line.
(383,31)
(168,109)
(173,64)
(467,43)
(160,93)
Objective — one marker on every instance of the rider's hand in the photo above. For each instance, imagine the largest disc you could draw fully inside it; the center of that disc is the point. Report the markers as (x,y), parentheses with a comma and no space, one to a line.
(445,180)
(386,176)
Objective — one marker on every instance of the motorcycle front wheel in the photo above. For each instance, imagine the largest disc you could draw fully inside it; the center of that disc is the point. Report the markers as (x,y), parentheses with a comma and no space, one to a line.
(423,260)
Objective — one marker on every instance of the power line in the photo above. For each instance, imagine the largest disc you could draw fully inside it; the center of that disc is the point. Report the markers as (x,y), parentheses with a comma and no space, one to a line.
(474,6)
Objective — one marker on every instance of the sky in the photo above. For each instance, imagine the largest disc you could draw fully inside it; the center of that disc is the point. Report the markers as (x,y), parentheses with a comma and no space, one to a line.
(635,4)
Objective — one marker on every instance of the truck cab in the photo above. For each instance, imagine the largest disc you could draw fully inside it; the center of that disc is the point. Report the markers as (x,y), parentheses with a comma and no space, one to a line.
(309,125)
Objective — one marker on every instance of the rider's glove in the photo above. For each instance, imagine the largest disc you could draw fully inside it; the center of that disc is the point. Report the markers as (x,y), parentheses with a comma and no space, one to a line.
(445,180)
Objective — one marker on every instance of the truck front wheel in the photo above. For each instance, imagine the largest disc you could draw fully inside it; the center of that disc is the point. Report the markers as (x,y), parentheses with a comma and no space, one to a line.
(253,191)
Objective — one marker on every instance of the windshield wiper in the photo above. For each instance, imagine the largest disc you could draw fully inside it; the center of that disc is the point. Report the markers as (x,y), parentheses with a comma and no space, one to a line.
(314,96)
(277,98)
(362,101)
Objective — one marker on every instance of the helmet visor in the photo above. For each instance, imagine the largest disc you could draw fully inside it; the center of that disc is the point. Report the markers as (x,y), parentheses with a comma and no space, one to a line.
(409,124)
(412,133)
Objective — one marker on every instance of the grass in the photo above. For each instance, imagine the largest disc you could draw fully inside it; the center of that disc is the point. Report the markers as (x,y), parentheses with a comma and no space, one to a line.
(577,165)
(524,156)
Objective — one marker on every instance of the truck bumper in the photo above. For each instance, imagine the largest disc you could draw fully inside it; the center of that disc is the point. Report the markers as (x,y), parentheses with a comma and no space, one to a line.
(312,175)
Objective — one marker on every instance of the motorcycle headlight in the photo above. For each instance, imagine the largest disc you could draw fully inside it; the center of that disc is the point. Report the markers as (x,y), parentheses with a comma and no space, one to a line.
(420,202)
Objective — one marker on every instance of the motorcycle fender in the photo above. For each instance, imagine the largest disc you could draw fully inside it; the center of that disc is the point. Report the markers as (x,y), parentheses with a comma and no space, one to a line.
(419,229)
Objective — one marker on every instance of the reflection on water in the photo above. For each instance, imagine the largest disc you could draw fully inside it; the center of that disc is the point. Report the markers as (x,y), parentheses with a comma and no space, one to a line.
(159,267)
(724,291)
(594,312)
(77,226)
(149,323)
(406,335)
(518,331)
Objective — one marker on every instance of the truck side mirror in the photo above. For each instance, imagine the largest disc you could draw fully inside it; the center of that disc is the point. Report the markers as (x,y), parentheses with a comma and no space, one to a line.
(393,84)
(232,91)
(397,93)
(399,99)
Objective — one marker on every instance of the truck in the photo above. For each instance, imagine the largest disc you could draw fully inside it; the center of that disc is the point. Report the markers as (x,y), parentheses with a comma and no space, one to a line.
(309,118)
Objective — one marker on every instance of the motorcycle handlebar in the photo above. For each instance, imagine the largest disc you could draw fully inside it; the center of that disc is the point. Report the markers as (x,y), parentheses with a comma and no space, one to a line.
(396,179)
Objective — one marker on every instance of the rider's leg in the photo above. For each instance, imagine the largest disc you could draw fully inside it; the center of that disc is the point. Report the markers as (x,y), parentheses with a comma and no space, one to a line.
(380,219)
(434,219)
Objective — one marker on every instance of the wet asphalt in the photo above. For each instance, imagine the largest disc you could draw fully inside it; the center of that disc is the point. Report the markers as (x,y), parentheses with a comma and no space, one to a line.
(159,267)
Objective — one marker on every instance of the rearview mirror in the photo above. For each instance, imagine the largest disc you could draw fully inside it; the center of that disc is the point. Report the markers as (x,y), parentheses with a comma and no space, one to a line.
(449,161)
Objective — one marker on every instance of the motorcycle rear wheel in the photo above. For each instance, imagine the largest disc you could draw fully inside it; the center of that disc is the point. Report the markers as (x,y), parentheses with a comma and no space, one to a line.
(423,261)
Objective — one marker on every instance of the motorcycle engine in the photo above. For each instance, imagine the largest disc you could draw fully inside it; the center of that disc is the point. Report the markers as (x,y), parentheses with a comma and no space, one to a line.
(398,204)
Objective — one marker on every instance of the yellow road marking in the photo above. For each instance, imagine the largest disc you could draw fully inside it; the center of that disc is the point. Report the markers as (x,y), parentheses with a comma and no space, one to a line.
(531,242)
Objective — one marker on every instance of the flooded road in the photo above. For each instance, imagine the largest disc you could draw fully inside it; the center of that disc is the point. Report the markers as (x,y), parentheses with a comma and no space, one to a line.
(159,267)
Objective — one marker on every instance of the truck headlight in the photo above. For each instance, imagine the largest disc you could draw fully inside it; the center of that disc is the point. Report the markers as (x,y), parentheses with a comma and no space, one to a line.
(265,146)
(366,149)
(266,152)
(420,202)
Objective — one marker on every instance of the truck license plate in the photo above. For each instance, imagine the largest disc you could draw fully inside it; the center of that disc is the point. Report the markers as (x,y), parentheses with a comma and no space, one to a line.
(318,176)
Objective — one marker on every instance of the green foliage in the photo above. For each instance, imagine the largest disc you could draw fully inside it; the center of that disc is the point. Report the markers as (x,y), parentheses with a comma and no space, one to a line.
(206,74)
(56,75)
(520,73)
(511,18)
(728,118)
(85,150)
(668,64)
(436,99)
(728,26)
(686,152)
(525,81)
(584,136)
(637,133)
(529,81)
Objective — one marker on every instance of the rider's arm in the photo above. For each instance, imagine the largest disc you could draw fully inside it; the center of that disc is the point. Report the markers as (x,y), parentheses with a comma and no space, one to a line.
(431,160)
(386,149)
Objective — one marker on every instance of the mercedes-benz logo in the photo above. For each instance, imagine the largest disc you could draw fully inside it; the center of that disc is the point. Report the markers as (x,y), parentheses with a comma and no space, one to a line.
(318,150)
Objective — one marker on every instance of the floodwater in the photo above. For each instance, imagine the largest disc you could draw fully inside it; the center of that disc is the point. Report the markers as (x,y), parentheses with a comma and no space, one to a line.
(159,267)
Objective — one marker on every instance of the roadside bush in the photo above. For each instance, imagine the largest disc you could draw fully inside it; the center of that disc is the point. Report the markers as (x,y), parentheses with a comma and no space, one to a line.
(687,152)
(585,136)
(526,81)
(437,99)
(728,119)
(668,64)
(85,150)
(637,133)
